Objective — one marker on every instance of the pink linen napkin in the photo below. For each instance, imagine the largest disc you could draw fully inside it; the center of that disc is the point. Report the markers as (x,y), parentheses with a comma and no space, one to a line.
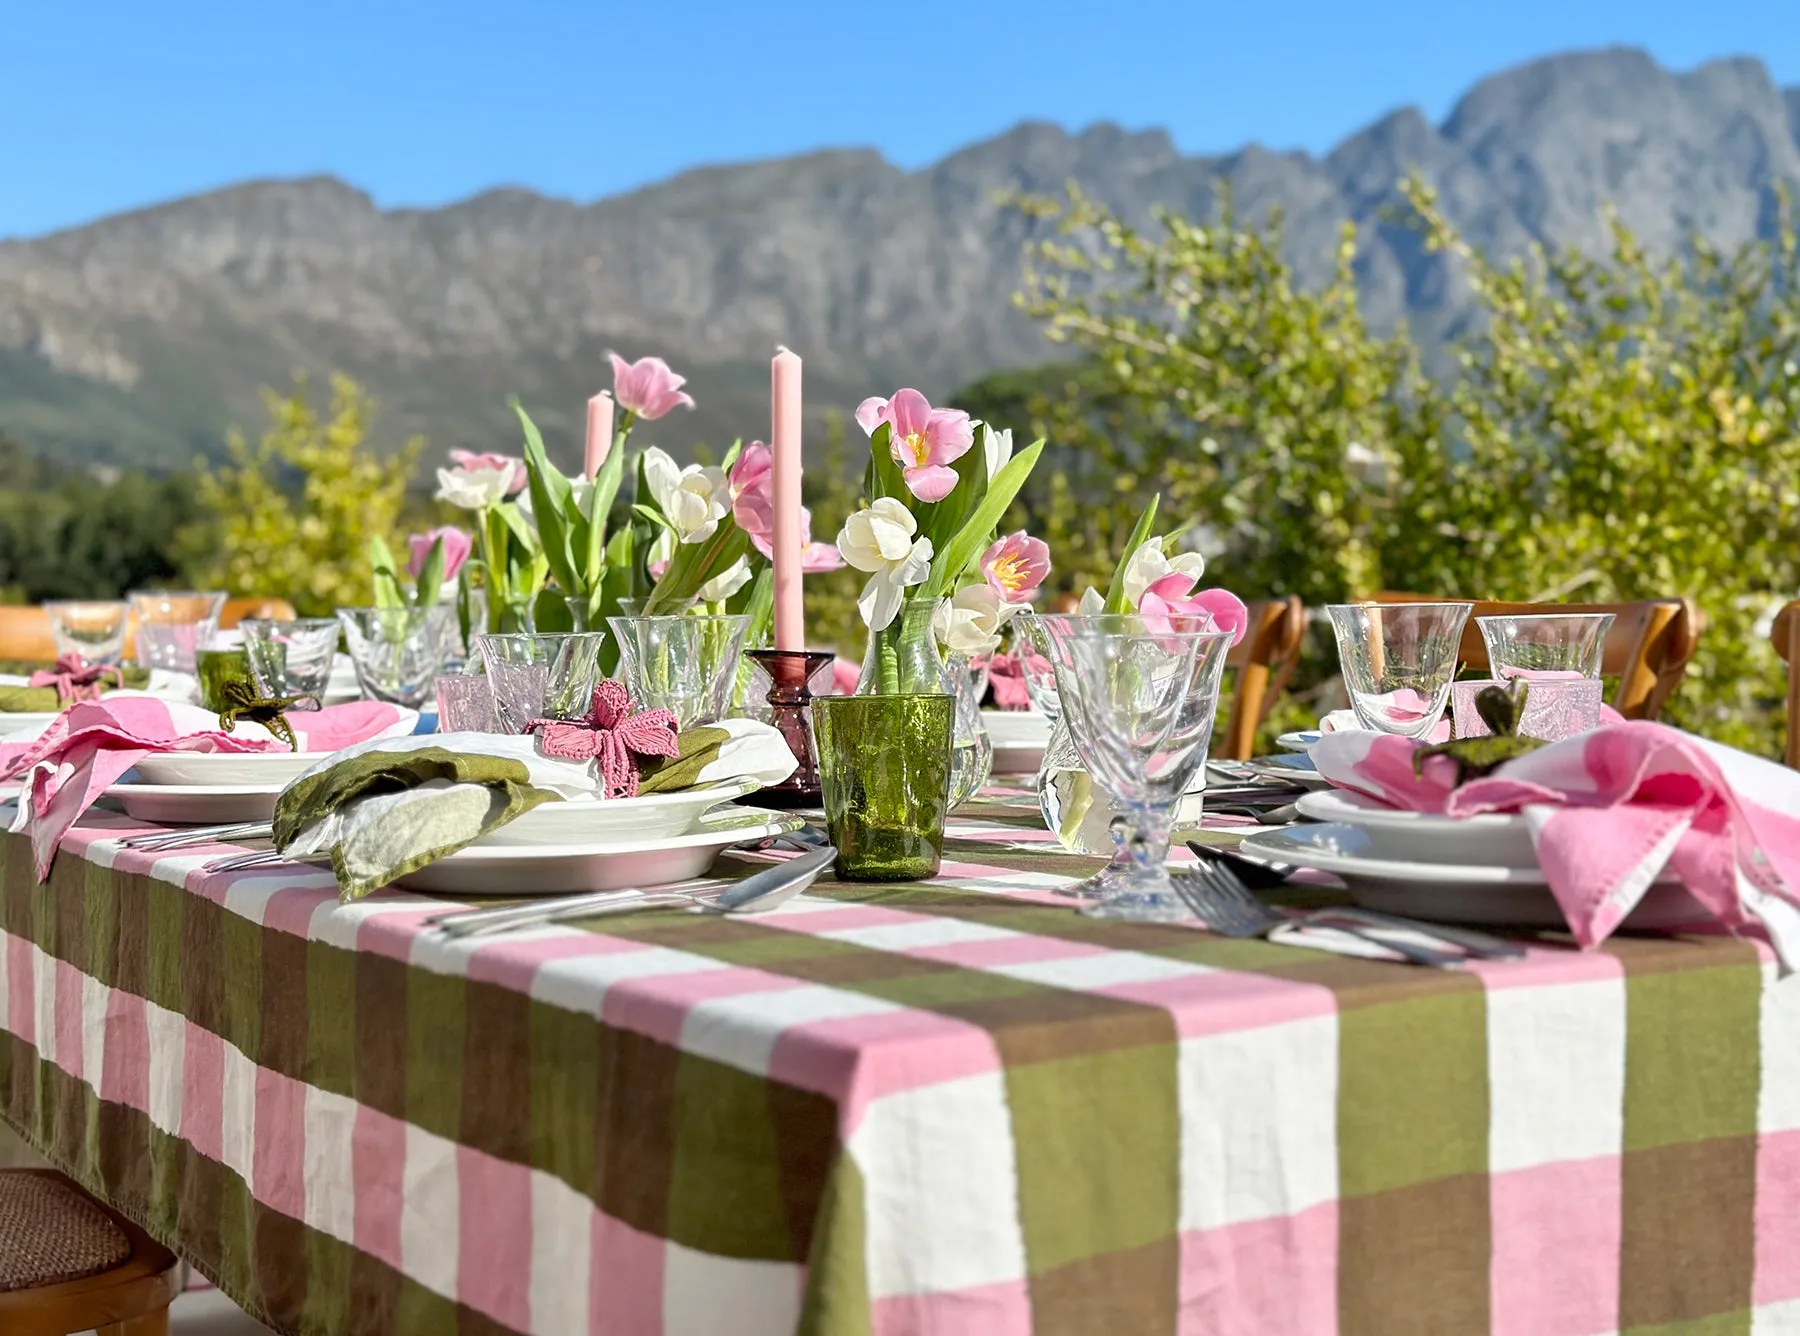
(1610,810)
(92,743)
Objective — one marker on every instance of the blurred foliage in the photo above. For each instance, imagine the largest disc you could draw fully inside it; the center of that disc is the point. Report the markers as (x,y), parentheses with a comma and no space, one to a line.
(70,533)
(1613,427)
(291,516)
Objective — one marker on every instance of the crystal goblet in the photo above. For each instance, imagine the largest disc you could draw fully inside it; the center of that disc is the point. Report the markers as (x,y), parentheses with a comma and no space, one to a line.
(1547,645)
(685,664)
(541,676)
(1398,661)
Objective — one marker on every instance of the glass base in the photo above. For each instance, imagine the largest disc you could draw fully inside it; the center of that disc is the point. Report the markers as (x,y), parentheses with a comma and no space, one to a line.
(1143,899)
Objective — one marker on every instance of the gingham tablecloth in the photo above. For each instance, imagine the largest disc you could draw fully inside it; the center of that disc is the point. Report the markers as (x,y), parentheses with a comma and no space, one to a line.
(954,1107)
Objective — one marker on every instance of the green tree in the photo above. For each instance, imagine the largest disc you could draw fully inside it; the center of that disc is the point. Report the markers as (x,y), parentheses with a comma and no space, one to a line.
(1628,429)
(291,516)
(1612,427)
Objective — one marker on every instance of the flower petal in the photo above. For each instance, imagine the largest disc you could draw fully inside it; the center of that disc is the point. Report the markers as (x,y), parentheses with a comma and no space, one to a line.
(934,482)
(870,412)
(879,602)
(910,412)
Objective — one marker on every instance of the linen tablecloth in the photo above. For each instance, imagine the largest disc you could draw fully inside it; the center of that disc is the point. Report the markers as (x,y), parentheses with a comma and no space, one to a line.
(953,1107)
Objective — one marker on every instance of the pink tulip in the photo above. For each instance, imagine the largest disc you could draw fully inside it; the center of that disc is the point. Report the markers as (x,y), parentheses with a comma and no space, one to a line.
(924,440)
(647,388)
(1015,566)
(457,545)
(844,677)
(1172,596)
(753,491)
(815,558)
(510,465)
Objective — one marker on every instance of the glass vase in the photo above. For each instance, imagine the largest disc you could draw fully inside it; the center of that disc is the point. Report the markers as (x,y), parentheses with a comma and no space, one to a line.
(972,759)
(884,772)
(903,659)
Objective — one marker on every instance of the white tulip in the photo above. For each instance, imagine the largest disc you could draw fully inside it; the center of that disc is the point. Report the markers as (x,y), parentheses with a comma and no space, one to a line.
(694,499)
(997,448)
(473,489)
(727,582)
(880,540)
(970,623)
(1093,602)
(1148,565)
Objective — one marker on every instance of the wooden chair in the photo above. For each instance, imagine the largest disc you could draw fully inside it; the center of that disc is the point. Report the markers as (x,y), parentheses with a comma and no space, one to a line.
(1648,648)
(67,1263)
(243,609)
(25,635)
(1786,637)
(1264,660)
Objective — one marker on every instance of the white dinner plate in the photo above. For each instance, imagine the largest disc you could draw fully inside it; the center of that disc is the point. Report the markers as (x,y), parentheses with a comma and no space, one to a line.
(1500,839)
(20,726)
(1298,742)
(280,768)
(488,869)
(196,804)
(651,816)
(1448,892)
(212,769)
(1019,738)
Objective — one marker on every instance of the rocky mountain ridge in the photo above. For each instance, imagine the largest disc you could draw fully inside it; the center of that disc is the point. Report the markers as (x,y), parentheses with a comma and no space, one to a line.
(138,338)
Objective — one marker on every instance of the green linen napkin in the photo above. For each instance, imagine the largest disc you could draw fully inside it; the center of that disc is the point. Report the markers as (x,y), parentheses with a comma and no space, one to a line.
(388,807)
(44,700)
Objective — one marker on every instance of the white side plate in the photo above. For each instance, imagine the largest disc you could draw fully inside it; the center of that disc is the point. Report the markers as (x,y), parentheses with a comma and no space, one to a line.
(1503,840)
(196,804)
(1019,738)
(488,869)
(1448,892)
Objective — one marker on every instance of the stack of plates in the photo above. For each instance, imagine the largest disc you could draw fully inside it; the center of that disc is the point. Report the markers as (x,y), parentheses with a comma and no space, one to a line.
(1019,738)
(201,788)
(598,846)
(1480,869)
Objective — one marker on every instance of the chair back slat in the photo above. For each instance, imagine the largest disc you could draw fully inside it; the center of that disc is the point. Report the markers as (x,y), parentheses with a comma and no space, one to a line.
(1648,648)
(1785,636)
(1264,660)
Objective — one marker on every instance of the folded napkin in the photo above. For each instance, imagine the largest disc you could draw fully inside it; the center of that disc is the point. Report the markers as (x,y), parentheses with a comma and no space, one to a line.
(45,688)
(391,806)
(91,744)
(1609,811)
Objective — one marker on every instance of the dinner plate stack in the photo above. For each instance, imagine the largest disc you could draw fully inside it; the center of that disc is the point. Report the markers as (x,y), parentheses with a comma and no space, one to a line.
(1019,738)
(1478,869)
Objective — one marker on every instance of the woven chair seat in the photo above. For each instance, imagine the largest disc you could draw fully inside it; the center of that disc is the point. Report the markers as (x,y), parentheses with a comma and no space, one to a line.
(52,1232)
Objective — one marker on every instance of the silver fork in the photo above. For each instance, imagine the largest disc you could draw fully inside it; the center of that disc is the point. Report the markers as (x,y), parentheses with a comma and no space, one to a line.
(1231,909)
(181,839)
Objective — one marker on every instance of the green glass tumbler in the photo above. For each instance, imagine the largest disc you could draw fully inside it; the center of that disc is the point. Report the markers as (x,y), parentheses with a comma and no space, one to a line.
(884,769)
(218,667)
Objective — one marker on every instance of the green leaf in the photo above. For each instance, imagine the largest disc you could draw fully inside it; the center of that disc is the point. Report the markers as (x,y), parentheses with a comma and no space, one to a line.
(430,585)
(600,504)
(1140,534)
(654,515)
(693,565)
(386,579)
(552,501)
(884,474)
(943,520)
(972,537)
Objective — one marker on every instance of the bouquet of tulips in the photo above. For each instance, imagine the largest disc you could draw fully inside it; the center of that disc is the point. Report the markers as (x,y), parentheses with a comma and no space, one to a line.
(1156,585)
(934,502)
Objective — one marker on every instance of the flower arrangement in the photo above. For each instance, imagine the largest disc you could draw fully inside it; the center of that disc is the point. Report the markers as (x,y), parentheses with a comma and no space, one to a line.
(511,564)
(1157,586)
(934,502)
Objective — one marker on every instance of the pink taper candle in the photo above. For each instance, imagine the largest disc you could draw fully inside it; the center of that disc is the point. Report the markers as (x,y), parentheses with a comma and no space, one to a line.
(600,431)
(784,443)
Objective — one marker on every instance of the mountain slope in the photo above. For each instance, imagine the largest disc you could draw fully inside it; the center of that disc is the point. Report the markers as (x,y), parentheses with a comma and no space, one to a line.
(138,338)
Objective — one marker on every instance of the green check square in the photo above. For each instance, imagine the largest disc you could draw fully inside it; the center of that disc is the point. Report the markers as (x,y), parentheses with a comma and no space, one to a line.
(1413,1089)
(1097,1139)
(1692,1054)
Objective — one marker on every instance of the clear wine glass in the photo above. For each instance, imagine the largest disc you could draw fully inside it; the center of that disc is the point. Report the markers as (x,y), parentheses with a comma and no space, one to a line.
(1546,645)
(1140,698)
(1399,660)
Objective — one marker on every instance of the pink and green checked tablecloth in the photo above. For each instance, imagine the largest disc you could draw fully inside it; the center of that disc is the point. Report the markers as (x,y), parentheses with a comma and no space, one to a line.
(953,1107)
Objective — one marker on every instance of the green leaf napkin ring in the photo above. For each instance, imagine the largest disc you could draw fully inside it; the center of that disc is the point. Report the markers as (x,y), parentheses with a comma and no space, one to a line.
(241,702)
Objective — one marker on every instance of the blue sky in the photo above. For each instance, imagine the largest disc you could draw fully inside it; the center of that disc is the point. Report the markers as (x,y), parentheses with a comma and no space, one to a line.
(109,105)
